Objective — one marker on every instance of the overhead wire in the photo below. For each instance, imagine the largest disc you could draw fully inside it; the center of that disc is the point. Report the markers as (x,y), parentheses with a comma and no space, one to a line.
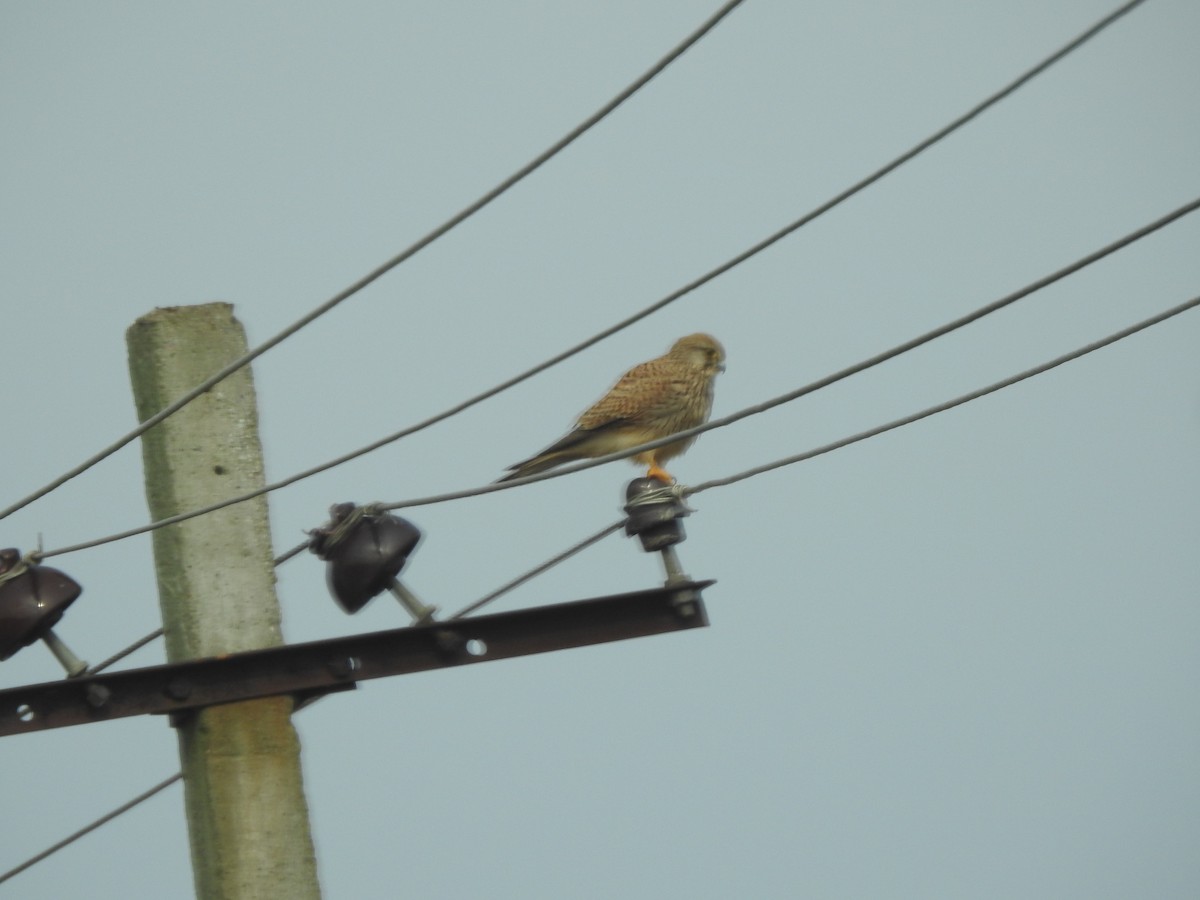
(538,570)
(771,239)
(288,554)
(841,374)
(159,632)
(950,404)
(89,828)
(699,488)
(465,611)
(846,372)
(430,237)
(121,654)
(146,795)
(687,491)
(386,267)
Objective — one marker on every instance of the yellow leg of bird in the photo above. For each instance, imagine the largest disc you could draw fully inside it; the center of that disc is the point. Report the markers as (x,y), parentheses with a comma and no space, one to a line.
(657,471)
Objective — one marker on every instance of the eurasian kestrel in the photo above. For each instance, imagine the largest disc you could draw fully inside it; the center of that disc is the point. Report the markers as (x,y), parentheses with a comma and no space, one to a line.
(651,400)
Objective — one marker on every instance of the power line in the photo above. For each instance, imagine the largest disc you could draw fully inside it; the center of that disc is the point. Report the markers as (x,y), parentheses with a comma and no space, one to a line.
(285,556)
(841,374)
(875,360)
(379,272)
(120,655)
(538,570)
(654,307)
(159,632)
(950,404)
(88,829)
(704,486)
(465,611)
(687,289)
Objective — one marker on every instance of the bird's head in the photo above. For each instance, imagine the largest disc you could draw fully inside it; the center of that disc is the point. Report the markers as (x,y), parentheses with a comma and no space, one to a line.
(702,351)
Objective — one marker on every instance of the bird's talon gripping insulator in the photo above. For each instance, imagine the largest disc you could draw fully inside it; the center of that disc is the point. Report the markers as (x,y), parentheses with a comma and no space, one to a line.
(654,511)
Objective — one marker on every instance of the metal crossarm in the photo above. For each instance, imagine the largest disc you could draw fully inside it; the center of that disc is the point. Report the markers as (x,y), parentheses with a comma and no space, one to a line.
(318,667)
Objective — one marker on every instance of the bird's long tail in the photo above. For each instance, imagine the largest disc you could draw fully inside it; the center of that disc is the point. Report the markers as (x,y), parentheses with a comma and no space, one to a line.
(541,463)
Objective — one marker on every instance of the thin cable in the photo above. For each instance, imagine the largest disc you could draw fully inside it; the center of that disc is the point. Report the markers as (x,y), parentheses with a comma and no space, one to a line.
(538,570)
(103,820)
(159,632)
(288,554)
(654,307)
(299,548)
(855,369)
(949,404)
(377,273)
(117,657)
(862,366)
(467,610)
(708,485)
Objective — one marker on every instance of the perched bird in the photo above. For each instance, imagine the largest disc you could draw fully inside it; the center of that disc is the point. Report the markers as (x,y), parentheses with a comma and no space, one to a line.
(651,401)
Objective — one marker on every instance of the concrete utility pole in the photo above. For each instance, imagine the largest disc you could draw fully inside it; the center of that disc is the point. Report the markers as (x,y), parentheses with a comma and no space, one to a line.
(247,815)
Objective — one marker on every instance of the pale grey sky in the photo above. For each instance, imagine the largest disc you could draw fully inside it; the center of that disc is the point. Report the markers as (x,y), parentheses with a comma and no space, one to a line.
(957,660)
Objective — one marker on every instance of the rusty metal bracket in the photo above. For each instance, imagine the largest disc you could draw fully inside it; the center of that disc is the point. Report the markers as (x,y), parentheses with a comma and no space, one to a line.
(310,669)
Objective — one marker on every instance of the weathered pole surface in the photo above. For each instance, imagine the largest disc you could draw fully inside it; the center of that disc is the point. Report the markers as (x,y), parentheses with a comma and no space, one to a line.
(246,810)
